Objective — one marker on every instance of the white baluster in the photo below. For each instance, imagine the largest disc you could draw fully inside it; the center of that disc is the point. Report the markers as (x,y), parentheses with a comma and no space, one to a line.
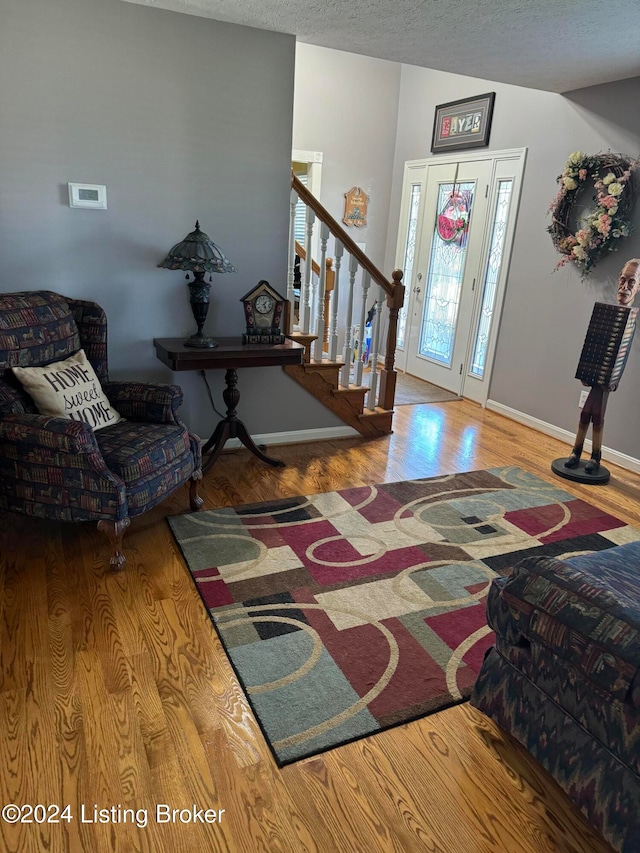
(366,282)
(375,345)
(306,291)
(348,338)
(335,300)
(322,286)
(292,261)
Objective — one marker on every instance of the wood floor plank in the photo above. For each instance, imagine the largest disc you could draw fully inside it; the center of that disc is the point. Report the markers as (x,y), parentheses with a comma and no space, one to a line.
(265,805)
(14,761)
(115,689)
(338,801)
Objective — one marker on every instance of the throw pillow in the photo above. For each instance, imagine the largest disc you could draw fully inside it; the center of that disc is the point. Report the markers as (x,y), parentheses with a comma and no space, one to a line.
(68,389)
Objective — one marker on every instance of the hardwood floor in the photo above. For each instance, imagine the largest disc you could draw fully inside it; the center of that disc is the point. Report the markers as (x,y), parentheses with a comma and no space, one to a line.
(115,692)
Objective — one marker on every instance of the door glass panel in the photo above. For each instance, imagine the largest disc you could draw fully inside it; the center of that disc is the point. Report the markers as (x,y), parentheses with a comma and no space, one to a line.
(407,264)
(492,274)
(446,271)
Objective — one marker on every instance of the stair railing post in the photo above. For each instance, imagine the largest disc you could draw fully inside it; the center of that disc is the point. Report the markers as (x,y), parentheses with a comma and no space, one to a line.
(388,375)
(322,281)
(333,328)
(375,345)
(366,282)
(306,311)
(291,296)
(329,285)
(348,338)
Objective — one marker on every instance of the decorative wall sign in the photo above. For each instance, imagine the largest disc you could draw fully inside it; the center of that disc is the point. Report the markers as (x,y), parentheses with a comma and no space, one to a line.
(355,207)
(463,124)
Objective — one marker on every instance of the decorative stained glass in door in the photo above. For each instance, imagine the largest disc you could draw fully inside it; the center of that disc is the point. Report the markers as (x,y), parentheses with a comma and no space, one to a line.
(492,273)
(407,263)
(446,271)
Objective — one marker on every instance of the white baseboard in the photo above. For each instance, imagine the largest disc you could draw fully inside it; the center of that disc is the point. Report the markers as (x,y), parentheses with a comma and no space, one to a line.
(297,436)
(621,459)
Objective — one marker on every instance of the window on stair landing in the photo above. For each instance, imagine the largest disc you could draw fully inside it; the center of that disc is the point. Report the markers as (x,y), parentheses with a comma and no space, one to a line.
(300,219)
(300,234)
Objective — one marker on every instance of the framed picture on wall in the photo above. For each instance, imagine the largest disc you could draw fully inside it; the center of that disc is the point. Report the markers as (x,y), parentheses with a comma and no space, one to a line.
(463,124)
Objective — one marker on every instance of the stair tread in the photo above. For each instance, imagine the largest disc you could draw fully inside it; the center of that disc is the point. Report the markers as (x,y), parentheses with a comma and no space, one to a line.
(302,336)
(351,389)
(322,380)
(354,394)
(325,363)
(377,412)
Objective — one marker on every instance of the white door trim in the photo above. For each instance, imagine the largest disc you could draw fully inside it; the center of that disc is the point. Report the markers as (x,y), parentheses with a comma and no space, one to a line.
(314,160)
(518,157)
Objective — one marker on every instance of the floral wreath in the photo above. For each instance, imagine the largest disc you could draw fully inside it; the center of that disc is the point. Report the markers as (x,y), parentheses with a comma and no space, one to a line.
(601,229)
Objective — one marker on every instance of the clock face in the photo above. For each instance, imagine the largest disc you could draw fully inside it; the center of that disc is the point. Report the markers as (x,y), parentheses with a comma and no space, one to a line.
(264,303)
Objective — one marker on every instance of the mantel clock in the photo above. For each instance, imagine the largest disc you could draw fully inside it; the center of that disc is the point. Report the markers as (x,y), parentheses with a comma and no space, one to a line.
(264,311)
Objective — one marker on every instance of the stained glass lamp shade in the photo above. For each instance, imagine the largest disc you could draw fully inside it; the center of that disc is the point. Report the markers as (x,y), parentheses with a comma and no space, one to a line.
(198,254)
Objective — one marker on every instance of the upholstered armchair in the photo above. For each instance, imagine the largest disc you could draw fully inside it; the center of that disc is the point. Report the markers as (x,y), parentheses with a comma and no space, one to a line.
(57,468)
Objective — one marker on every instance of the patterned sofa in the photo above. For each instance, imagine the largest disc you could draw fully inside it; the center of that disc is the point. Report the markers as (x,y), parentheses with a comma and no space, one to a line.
(564,678)
(57,468)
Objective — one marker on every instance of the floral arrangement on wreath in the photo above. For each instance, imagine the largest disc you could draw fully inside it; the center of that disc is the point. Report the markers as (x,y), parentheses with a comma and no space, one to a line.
(453,221)
(605,225)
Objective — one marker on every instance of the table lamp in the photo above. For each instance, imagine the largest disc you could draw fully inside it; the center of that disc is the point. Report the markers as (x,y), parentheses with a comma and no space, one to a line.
(198,254)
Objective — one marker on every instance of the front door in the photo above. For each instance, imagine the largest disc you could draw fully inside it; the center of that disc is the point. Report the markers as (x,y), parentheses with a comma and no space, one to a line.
(461,215)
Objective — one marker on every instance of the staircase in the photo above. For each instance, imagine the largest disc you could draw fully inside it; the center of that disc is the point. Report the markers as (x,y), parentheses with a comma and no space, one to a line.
(325,319)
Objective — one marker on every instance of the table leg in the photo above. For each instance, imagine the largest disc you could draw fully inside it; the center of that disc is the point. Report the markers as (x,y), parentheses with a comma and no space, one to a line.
(245,438)
(221,434)
(231,427)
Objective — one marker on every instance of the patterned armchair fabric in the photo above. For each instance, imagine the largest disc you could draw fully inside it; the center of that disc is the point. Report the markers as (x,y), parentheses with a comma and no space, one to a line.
(61,469)
(564,678)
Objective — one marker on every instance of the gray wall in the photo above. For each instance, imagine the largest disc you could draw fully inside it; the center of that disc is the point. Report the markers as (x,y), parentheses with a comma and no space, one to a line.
(182,118)
(545,314)
(346,106)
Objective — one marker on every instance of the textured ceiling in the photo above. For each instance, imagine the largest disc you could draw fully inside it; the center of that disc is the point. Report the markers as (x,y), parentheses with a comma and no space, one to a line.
(557,45)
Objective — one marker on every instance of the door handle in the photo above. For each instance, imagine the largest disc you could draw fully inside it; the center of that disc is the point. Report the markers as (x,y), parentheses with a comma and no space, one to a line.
(416,290)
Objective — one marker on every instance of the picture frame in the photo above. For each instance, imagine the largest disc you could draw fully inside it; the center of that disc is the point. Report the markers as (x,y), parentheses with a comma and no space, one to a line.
(88,195)
(463,124)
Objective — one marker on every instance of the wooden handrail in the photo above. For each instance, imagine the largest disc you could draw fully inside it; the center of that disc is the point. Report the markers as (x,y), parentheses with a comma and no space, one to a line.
(315,266)
(338,231)
(302,252)
(394,290)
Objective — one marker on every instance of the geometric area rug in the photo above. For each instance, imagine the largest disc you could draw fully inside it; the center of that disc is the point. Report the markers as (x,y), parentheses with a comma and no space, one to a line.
(349,612)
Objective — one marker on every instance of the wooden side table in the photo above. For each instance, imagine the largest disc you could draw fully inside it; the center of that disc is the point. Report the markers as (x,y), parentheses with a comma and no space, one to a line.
(230,354)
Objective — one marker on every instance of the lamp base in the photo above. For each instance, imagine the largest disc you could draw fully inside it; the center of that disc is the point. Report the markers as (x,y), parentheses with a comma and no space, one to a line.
(199,301)
(200,342)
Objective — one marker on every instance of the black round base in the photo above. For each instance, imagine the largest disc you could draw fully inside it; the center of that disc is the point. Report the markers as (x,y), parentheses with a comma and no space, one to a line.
(579,474)
(200,343)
